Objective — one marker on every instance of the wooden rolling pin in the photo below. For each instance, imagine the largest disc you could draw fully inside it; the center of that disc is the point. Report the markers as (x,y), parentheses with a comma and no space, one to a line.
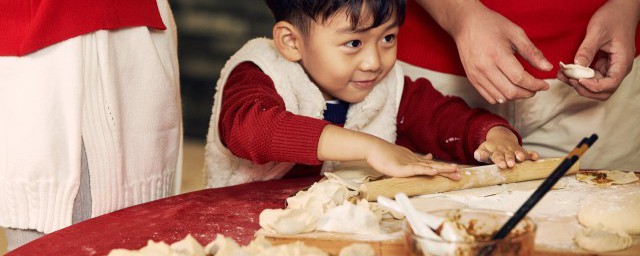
(472,177)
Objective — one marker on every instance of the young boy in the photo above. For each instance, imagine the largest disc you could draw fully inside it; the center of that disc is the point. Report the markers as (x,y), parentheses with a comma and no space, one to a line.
(327,88)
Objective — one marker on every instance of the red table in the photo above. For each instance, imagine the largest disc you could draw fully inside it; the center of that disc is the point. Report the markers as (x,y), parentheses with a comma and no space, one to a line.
(231,211)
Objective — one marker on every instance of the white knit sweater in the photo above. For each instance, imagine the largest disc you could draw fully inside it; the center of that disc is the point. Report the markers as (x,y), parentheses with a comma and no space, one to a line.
(122,102)
(375,115)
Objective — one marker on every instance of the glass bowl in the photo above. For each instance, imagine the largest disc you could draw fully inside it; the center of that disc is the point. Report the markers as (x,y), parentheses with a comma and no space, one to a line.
(481,224)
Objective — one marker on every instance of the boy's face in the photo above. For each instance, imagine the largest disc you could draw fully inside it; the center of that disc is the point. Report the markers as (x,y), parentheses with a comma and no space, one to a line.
(347,64)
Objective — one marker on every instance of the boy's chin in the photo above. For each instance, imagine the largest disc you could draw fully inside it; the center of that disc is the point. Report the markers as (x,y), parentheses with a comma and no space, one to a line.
(353,99)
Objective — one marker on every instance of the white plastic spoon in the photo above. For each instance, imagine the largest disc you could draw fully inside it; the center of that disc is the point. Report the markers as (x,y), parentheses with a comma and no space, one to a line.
(449,230)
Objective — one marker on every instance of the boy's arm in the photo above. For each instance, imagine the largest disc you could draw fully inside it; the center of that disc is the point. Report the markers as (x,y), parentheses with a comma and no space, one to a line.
(255,125)
(445,126)
(339,144)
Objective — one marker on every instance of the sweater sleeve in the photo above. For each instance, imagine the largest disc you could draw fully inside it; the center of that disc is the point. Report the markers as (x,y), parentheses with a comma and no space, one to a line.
(255,125)
(445,126)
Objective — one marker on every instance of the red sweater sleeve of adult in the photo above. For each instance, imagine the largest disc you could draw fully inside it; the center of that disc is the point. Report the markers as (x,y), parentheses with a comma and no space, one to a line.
(255,125)
(444,126)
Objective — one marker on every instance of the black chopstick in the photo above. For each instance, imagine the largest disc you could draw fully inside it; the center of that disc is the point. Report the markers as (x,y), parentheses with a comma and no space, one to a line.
(548,183)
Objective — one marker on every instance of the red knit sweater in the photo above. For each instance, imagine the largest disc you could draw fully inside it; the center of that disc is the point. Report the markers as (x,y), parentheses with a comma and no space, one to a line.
(255,125)
(557,28)
(29,25)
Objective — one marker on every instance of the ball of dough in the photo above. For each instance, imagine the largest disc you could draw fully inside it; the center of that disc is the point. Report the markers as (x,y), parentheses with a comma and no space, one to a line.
(613,211)
(600,240)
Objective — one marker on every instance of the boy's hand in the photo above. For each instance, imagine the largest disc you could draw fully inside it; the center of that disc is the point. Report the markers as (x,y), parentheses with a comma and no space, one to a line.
(502,148)
(398,161)
(339,144)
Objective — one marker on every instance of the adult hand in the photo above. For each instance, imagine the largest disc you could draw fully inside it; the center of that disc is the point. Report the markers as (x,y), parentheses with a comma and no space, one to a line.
(610,45)
(487,43)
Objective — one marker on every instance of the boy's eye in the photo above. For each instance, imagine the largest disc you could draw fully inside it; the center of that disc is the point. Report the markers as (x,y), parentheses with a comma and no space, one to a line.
(354,43)
(389,38)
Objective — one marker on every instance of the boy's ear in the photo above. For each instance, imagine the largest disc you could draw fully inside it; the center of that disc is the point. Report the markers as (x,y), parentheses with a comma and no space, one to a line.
(287,39)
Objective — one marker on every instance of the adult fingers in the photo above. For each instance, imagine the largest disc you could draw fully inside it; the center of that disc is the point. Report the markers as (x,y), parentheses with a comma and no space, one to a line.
(612,75)
(523,46)
(510,90)
(484,93)
(494,93)
(513,70)
(588,48)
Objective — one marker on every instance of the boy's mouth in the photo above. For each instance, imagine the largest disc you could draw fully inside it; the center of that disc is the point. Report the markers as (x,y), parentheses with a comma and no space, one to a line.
(363,84)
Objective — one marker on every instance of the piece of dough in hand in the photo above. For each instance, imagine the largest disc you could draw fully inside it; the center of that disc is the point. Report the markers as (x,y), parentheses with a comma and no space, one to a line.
(576,71)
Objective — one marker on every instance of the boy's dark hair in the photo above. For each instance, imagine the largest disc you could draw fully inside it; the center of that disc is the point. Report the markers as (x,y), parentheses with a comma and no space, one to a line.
(300,13)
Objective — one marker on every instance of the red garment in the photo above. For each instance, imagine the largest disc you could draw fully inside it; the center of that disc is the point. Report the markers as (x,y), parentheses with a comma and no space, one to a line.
(557,28)
(29,25)
(254,124)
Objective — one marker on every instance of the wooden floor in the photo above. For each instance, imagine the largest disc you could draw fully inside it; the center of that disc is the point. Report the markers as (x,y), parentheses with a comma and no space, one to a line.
(192,176)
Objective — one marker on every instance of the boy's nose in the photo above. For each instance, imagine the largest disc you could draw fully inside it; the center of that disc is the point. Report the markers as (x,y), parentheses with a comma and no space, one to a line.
(371,62)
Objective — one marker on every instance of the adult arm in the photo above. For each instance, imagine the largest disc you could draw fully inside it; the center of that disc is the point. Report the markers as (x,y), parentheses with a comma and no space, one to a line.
(488,43)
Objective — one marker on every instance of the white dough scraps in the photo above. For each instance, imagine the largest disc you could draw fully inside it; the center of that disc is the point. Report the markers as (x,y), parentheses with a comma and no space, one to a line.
(224,246)
(287,221)
(323,207)
(351,219)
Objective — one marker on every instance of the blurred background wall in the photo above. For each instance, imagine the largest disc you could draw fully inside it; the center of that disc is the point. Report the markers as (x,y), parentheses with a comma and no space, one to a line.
(209,32)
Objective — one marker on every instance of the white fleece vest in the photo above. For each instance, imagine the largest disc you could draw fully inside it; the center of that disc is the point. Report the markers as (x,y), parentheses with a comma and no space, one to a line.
(375,115)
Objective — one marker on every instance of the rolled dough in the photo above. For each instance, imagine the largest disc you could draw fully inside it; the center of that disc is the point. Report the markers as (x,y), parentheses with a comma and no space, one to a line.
(602,240)
(606,177)
(619,212)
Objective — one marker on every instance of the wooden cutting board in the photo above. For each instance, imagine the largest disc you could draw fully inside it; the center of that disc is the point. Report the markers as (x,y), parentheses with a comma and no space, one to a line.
(390,243)
(472,177)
